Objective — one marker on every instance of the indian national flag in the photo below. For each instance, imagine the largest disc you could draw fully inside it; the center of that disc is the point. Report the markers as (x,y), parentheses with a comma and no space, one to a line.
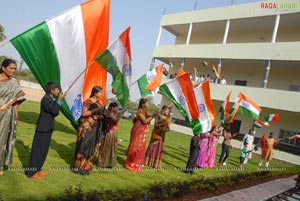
(248,107)
(224,109)
(181,93)
(205,106)
(156,79)
(145,80)
(116,60)
(61,48)
(272,117)
(259,123)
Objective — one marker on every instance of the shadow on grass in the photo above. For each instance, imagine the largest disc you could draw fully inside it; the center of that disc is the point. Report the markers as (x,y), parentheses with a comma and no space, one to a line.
(66,152)
(31,118)
(23,152)
(121,157)
(175,153)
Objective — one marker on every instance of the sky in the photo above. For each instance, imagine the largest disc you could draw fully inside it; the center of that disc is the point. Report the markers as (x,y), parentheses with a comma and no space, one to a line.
(143,17)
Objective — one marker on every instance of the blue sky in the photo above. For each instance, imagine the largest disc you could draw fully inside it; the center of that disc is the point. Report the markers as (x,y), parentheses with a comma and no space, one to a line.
(144,17)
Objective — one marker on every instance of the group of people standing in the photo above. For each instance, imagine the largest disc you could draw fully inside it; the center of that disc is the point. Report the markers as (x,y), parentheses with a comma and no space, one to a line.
(137,155)
(203,148)
(97,133)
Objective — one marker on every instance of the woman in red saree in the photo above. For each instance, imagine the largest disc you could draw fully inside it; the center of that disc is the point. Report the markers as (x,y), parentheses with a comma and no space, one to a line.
(137,145)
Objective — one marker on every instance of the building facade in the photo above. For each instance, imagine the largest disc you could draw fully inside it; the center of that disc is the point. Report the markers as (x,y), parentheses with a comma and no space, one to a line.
(256,46)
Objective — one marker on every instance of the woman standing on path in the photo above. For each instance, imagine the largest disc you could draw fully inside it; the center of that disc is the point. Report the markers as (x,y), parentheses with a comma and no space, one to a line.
(11,95)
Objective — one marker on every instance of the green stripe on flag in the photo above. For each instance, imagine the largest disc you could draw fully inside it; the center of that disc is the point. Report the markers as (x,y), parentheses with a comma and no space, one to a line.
(196,126)
(107,60)
(142,83)
(36,48)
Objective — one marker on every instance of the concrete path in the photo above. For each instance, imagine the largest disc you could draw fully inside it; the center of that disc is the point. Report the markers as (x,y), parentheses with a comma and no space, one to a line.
(259,192)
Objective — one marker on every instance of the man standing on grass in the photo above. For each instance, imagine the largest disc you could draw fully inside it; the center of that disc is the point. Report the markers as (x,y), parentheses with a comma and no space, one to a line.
(50,107)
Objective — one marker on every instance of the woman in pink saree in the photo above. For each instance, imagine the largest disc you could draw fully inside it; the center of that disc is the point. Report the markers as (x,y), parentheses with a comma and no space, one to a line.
(212,148)
(203,150)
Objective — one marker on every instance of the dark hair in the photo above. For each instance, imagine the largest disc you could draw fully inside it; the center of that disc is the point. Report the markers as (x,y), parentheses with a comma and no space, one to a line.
(251,130)
(245,143)
(227,130)
(112,105)
(142,102)
(95,90)
(164,107)
(271,133)
(6,63)
(50,86)
(212,129)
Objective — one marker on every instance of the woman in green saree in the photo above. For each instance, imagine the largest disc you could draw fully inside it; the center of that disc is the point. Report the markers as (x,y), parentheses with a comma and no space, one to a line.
(11,95)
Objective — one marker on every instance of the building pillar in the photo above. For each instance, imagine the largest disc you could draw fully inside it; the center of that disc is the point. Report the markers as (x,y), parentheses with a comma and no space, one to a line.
(182,63)
(189,34)
(266,75)
(224,42)
(268,66)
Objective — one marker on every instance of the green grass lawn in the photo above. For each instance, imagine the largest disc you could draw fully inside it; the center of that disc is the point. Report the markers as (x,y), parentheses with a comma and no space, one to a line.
(14,185)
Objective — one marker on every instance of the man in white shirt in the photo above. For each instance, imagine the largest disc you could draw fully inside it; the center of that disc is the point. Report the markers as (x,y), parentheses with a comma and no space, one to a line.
(249,138)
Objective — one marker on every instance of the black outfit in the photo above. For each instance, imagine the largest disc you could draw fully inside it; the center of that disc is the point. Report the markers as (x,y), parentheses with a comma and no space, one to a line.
(194,151)
(225,153)
(43,132)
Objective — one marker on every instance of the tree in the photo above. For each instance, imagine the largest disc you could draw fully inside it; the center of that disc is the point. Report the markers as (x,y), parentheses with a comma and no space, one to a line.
(2,58)
(2,35)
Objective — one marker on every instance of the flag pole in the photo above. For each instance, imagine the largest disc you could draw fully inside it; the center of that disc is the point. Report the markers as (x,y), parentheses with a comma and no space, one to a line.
(80,74)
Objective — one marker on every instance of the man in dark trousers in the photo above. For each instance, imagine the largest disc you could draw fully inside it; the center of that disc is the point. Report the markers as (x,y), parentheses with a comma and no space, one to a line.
(50,107)
(194,151)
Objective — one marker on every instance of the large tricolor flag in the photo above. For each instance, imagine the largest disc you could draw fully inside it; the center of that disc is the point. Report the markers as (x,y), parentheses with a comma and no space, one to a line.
(116,60)
(144,81)
(181,93)
(205,106)
(224,109)
(61,48)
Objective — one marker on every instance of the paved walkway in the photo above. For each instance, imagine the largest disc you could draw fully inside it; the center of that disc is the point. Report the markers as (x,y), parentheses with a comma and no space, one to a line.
(259,192)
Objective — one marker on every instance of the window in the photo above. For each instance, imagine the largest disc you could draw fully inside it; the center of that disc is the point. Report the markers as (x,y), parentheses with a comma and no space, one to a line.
(285,136)
(240,82)
(294,88)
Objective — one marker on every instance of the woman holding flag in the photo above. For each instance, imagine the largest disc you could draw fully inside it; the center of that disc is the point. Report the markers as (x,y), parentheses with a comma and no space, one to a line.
(137,145)
(156,146)
(88,144)
(269,142)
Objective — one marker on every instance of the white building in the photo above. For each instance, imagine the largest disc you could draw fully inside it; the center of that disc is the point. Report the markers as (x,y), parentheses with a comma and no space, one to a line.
(256,45)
